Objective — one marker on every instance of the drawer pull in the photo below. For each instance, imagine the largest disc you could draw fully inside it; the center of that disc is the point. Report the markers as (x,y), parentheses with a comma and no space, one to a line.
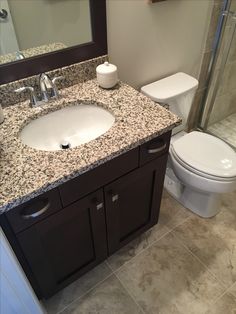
(157,150)
(115,198)
(99,206)
(37,213)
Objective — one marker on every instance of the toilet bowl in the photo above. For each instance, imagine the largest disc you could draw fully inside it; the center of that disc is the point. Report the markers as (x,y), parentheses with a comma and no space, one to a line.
(200,166)
(205,167)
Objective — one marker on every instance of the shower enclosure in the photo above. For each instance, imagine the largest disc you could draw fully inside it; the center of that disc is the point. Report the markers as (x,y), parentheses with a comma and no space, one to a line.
(219,108)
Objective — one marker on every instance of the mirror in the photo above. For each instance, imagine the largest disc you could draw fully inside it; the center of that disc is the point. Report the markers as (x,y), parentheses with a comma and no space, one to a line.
(41,35)
(34,27)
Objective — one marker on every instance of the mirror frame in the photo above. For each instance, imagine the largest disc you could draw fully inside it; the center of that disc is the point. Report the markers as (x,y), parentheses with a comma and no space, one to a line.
(42,63)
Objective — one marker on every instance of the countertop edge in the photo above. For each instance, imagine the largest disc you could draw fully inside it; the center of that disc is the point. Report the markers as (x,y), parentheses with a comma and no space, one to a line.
(62,180)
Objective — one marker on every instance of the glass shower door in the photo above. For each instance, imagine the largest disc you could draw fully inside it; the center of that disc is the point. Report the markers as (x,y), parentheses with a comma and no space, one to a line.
(219,115)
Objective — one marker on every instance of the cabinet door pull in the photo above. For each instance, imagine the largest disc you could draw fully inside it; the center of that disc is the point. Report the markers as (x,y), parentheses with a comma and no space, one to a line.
(157,150)
(36,214)
(115,198)
(99,206)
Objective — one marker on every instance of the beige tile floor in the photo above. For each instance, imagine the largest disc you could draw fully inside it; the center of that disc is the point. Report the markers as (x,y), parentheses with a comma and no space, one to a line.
(183,265)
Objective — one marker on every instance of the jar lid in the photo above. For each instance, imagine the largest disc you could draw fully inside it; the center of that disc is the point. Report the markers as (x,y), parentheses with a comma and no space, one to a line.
(106,68)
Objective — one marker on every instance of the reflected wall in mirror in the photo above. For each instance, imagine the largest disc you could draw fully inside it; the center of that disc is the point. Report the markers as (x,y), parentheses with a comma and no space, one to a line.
(35,27)
(97,46)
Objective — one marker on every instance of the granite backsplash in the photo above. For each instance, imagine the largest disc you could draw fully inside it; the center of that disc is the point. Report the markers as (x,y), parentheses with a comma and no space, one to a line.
(73,74)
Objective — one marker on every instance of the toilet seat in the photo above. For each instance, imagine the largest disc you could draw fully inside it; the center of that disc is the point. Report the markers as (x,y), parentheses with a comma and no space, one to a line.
(197,171)
(205,155)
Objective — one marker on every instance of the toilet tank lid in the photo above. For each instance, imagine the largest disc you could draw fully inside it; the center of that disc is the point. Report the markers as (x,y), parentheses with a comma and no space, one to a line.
(170,87)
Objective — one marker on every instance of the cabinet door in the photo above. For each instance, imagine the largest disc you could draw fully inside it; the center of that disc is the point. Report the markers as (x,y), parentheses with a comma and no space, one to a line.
(66,244)
(132,203)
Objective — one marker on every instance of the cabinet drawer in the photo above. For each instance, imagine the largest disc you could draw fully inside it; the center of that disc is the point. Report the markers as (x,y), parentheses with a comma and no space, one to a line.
(96,178)
(154,148)
(29,213)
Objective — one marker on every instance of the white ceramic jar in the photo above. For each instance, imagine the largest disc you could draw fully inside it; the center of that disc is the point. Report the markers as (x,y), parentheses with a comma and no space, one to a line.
(107,75)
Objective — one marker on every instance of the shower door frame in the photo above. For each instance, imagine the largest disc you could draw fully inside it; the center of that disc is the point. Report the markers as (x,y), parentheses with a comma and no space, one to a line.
(219,36)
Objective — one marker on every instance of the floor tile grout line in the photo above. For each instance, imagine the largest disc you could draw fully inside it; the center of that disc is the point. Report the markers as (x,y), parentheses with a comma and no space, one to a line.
(114,271)
(233,285)
(171,231)
(189,251)
(227,291)
(223,294)
(201,262)
(85,293)
(109,266)
(179,224)
(154,242)
(143,250)
(194,255)
(130,294)
(219,280)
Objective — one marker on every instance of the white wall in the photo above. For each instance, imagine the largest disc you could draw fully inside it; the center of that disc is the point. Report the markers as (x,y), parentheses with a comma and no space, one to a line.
(150,41)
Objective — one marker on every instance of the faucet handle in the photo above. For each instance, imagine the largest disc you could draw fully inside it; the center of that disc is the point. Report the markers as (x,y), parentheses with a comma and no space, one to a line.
(23,89)
(54,80)
(57,78)
(33,97)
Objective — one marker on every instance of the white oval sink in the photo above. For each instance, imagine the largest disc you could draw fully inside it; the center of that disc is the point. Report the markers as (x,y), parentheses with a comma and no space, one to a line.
(67,127)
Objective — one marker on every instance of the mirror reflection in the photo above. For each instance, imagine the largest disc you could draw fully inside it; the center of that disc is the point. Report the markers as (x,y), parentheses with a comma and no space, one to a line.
(34,27)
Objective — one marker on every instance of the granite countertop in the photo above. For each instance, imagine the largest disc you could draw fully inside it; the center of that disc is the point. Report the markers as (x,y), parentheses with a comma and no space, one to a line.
(26,172)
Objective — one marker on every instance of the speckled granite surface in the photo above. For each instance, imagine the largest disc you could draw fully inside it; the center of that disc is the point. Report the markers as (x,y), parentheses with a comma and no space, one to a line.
(26,173)
(73,74)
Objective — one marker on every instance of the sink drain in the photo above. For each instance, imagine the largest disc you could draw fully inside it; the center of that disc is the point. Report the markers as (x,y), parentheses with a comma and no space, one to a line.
(65,145)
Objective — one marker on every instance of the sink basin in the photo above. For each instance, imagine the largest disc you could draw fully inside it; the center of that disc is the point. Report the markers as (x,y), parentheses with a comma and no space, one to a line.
(67,127)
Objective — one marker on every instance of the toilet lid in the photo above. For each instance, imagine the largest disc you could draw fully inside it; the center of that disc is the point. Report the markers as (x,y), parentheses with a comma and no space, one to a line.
(207,154)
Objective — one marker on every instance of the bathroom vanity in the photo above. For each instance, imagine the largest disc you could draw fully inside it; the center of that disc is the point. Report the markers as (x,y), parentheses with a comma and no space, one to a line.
(66,211)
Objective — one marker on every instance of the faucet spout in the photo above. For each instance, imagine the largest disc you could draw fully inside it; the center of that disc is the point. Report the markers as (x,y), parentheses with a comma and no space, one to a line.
(48,87)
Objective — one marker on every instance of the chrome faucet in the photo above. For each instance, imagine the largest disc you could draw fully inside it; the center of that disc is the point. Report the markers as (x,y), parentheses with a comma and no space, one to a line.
(48,87)
(19,55)
(48,90)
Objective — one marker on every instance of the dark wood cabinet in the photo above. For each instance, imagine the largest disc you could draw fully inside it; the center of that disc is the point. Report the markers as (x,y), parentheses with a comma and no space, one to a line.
(132,203)
(65,232)
(66,244)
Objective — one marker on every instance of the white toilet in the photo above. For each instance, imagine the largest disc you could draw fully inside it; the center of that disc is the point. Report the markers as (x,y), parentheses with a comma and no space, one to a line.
(200,166)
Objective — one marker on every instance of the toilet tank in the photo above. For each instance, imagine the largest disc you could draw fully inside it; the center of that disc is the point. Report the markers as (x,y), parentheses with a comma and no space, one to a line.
(177,91)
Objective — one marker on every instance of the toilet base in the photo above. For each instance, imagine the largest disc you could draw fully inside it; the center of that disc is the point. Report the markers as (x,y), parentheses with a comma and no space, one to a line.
(203,204)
